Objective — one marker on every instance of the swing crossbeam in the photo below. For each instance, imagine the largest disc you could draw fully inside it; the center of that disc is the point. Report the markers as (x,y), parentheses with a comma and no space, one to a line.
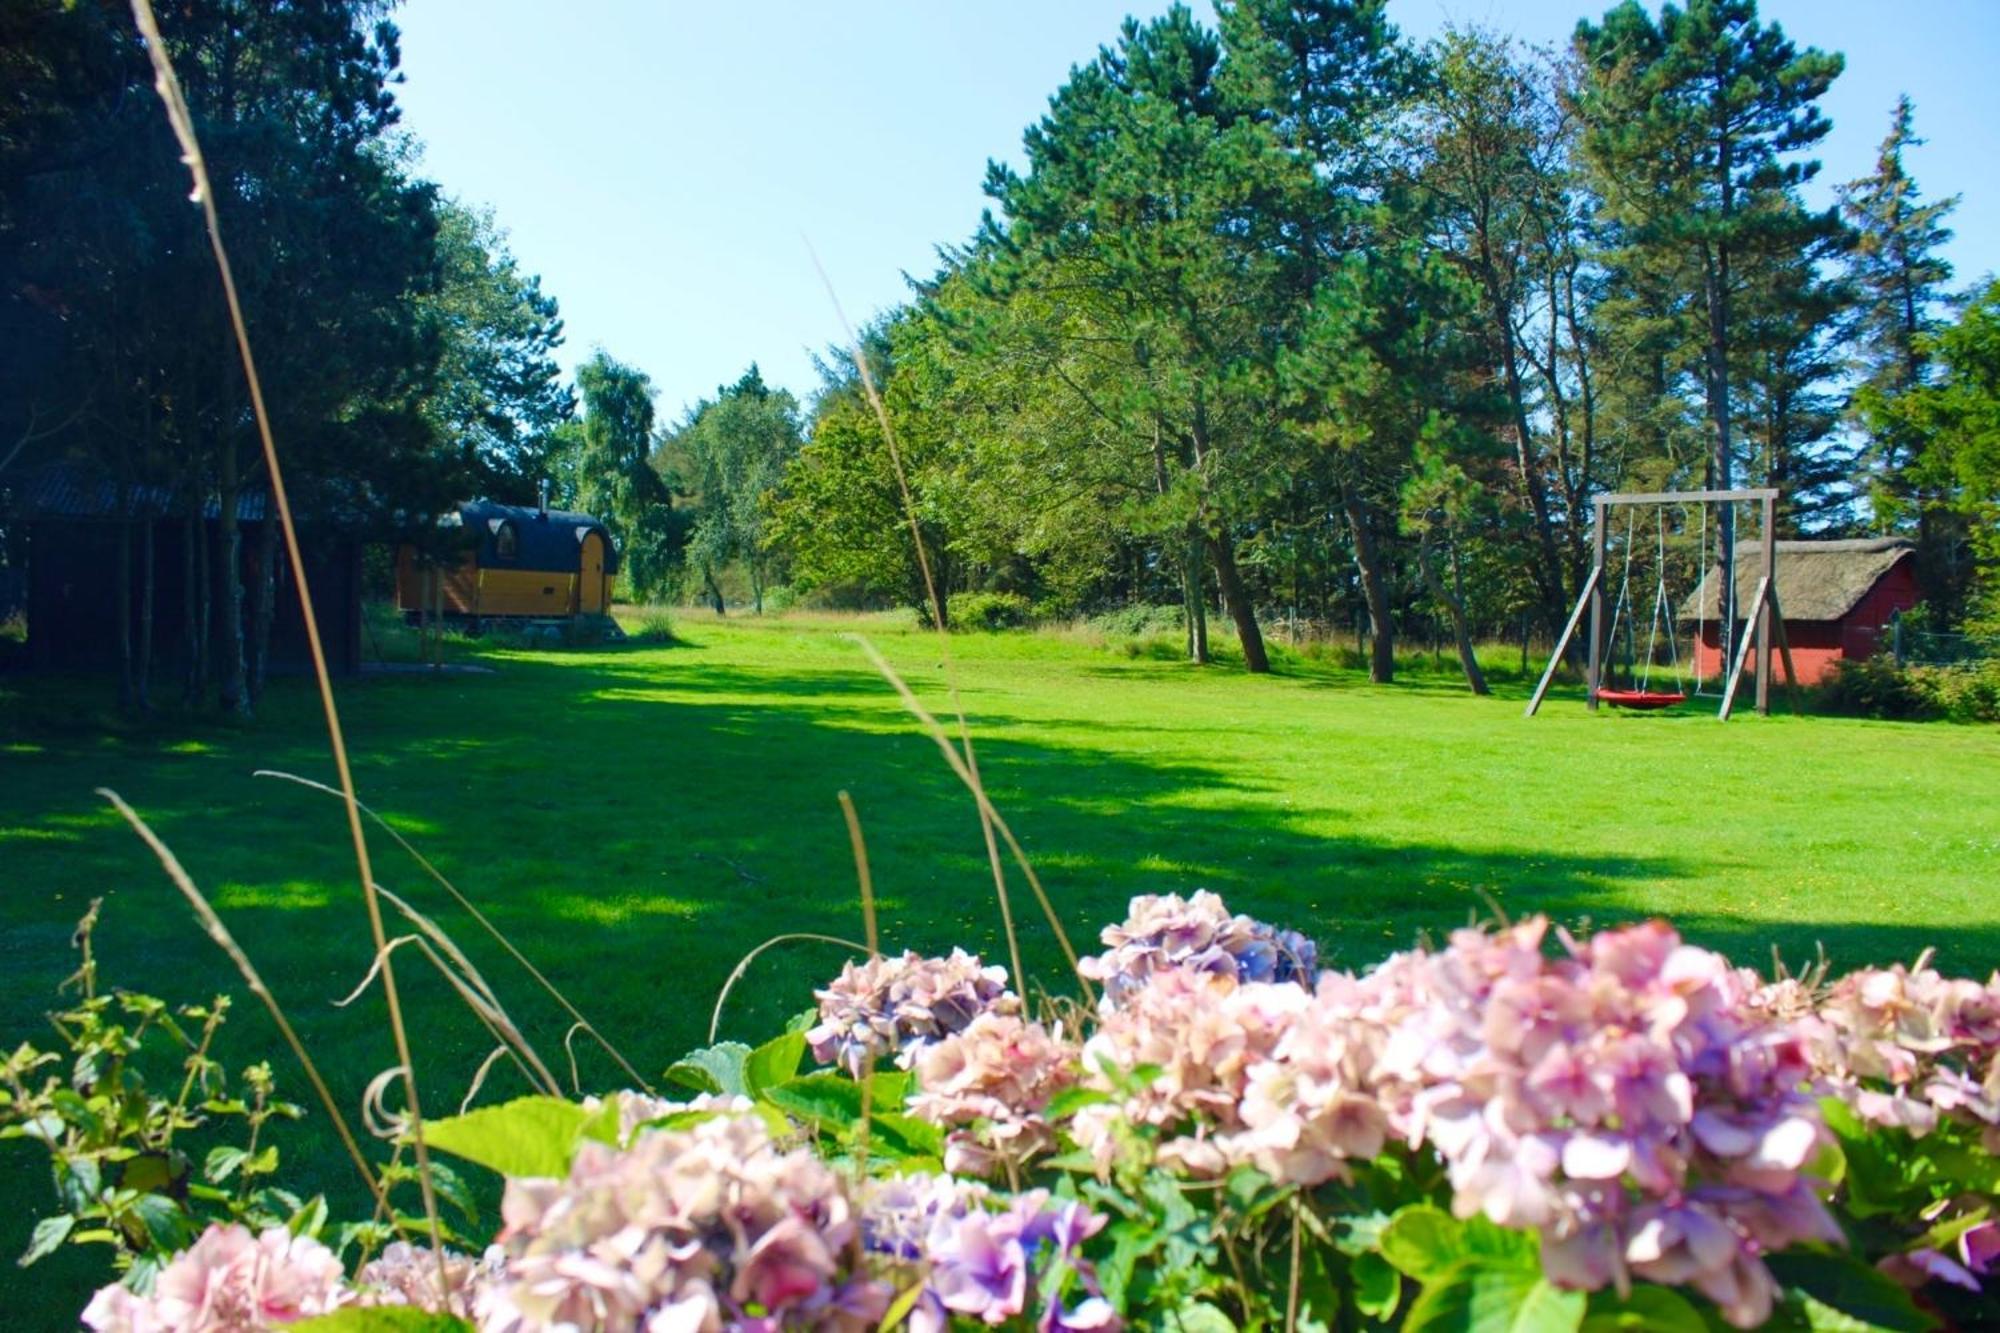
(1760,621)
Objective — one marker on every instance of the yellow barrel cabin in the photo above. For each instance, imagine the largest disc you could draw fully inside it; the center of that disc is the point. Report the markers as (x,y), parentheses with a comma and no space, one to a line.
(509,562)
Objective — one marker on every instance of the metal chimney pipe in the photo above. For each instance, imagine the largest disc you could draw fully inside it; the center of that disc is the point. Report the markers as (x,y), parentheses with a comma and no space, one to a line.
(545,497)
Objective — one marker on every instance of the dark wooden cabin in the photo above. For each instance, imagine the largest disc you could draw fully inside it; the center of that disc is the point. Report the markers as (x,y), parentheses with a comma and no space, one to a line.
(71,517)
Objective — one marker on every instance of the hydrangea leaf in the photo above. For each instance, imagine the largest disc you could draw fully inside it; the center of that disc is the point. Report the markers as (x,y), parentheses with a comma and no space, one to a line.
(1425,1242)
(1841,1294)
(1476,1299)
(1378,1287)
(385,1319)
(1201,1317)
(714,1069)
(1647,1310)
(529,1136)
(775,1062)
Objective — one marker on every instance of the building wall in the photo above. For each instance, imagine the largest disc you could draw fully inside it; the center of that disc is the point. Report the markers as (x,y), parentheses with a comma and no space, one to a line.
(1819,646)
(471,591)
(72,595)
(1866,627)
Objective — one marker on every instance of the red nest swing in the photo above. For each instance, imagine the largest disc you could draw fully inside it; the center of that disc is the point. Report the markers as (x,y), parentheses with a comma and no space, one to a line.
(1641,700)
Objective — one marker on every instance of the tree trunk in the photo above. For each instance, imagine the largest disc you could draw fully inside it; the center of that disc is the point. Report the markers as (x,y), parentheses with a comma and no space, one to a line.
(1236,599)
(1453,599)
(143,671)
(121,597)
(262,609)
(192,574)
(234,695)
(1549,573)
(1374,587)
(1194,601)
(714,592)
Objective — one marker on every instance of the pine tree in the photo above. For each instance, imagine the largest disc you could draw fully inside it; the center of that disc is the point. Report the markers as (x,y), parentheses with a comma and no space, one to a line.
(1687,126)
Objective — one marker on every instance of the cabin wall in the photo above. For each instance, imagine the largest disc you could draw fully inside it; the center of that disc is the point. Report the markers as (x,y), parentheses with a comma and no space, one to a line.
(1866,627)
(472,591)
(1815,644)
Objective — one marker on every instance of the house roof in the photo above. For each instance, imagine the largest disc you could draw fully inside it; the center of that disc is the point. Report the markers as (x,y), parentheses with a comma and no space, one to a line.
(63,490)
(545,539)
(1817,580)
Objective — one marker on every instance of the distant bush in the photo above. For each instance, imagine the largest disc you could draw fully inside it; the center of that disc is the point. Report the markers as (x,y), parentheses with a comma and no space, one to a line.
(989,611)
(1877,687)
(1141,621)
(654,627)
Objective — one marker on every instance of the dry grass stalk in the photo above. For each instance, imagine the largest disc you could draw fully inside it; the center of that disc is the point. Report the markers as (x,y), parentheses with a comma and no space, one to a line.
(580,1023)
(212,924)
(867,884)
(971,759)
(168,85)
(971,780)
(743,965)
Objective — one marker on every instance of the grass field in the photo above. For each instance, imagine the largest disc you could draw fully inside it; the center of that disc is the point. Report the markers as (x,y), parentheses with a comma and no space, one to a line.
(638,818)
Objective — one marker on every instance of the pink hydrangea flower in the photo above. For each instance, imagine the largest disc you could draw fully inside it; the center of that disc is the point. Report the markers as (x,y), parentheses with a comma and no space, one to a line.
(699,1230)
(1196,933)
(1627,1098)
(228,1281)
(990,1083)
(894,1006)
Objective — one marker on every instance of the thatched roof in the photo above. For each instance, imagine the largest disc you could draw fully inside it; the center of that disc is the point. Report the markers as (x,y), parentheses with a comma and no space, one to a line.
(1816,580)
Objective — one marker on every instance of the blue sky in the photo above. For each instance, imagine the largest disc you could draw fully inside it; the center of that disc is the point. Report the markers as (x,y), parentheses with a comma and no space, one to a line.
(663,164)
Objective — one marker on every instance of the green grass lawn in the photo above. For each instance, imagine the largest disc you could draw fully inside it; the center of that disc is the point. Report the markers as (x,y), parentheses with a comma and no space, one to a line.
(638,818)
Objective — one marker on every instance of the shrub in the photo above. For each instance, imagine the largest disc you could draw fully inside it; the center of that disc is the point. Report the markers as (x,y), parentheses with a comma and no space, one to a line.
(1518,1128)
(655,626)
(1877,687)
(1140,621)
(989,610)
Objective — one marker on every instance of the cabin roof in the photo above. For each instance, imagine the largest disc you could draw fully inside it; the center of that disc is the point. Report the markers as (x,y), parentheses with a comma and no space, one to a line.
(1817,580)
(548,539)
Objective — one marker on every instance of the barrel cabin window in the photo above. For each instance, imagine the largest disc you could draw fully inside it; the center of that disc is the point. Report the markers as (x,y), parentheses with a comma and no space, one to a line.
(506,542)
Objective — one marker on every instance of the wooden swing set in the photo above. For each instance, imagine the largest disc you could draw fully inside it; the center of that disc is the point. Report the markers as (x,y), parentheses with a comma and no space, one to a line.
(1759,617)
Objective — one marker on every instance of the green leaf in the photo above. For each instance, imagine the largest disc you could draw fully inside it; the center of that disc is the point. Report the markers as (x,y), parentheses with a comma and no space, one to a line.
(1378,1287)
(1425,1242)
(529,1136)
(899,1309)
(1201,1317)
(49,1233)
(384,1319)
(222,1162)
(716,1069)
(905,1136)
(1475,1299)
(1647,1310)
(830,1100)
(776,1061)
(1841,1294)
(1073,1099)
(168,1226)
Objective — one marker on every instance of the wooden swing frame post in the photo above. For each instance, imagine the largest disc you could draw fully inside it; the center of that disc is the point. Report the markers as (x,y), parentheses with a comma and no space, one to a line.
(1763,605)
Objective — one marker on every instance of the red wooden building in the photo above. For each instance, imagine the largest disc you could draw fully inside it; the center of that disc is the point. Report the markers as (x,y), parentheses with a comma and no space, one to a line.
(1837,597)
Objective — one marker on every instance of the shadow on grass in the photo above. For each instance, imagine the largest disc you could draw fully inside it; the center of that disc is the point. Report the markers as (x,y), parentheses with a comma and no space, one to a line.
(637,831)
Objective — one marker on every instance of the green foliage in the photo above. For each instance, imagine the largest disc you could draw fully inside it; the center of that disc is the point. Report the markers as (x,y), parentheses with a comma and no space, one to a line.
(529,1136)
(386,1319)
(1949,476)
(124,1108)
(732,452)
(1877,687)
(990,611)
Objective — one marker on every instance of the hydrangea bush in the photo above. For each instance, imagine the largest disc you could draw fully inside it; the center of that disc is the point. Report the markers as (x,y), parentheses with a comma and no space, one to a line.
(1518,1130)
